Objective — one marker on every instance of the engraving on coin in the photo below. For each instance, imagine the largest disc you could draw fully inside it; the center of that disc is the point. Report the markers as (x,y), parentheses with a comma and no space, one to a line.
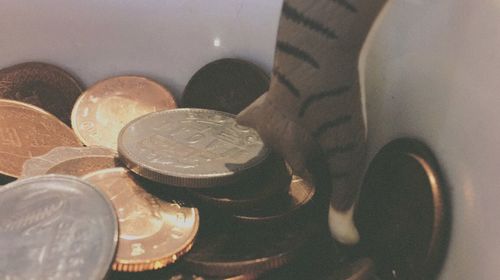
(190,147)
(27,131)
(71,161)
(299,195)
(43,85)
(227,85)
(153,232)
(55,227)
(103,109)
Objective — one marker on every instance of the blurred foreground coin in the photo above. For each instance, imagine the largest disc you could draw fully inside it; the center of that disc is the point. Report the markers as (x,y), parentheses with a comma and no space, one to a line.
(153,232)
(190,147)
(43,85)
(55,227)
(27,131)
(107,106)
(71,161)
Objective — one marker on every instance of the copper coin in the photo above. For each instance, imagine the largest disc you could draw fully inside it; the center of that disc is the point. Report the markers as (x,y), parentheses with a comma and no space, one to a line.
(106,107)
(251,191)
(227,85)
(403,213)
(223,251)
(27,131)
(43,85)
(190,148)
(299,195)
(153,232)
(71,161)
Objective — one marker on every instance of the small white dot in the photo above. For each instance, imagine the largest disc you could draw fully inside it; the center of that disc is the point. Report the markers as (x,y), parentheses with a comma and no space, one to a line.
(216,42)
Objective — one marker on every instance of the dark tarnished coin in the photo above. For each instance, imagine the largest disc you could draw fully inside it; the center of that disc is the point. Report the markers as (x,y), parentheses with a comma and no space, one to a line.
(71,161)
(55,227)
(27,131)
(361,269)
(252,191)
(107,106)
(43,85)
(227,85)
(190,147)
(299,195)
(223,251)
(403,214)
(174,274)
(153,232)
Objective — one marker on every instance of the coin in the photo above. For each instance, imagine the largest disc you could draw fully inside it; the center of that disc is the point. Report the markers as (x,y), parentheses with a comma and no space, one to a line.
(103,109)
(27,131)
(43,85)
(175,274)
(222,251)
(190,147)
(55,227)
(251,191)
(403,213)
(71,161)
(299,195)
(227,85)
(153,232)
(360,269)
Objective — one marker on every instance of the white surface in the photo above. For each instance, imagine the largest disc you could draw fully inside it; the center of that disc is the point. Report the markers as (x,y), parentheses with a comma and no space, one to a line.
(432,72)
(166,40)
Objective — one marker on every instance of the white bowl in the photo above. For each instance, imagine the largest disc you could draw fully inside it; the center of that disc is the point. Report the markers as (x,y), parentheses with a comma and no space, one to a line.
(430,70)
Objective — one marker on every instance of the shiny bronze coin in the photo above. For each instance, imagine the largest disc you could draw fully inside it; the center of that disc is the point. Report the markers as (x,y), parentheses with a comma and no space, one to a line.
(299,195)
(227,85)
(153,232)
(252,191)
(403,215)
(223,251)
(71,161)
(43,85)
(190,148)
(106,107)
(27,131)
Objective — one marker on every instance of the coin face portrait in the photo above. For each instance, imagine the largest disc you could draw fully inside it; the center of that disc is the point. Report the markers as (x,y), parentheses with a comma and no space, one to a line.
(55,227)
(190,147)
(107,106)
(27,131)
(153,232)
(44,85)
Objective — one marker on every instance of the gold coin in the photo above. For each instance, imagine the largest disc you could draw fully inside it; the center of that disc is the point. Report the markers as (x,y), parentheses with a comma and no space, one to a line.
(27,131)
(105,108)
(153,232)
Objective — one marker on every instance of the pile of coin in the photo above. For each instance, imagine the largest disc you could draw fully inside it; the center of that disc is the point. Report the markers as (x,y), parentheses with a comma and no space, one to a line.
(141,189)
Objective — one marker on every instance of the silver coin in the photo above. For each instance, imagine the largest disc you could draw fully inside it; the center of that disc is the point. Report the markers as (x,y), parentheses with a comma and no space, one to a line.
(55,227)
(75,161)
(190,147)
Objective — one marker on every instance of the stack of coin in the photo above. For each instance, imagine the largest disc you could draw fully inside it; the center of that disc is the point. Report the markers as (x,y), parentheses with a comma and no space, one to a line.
(157,193)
